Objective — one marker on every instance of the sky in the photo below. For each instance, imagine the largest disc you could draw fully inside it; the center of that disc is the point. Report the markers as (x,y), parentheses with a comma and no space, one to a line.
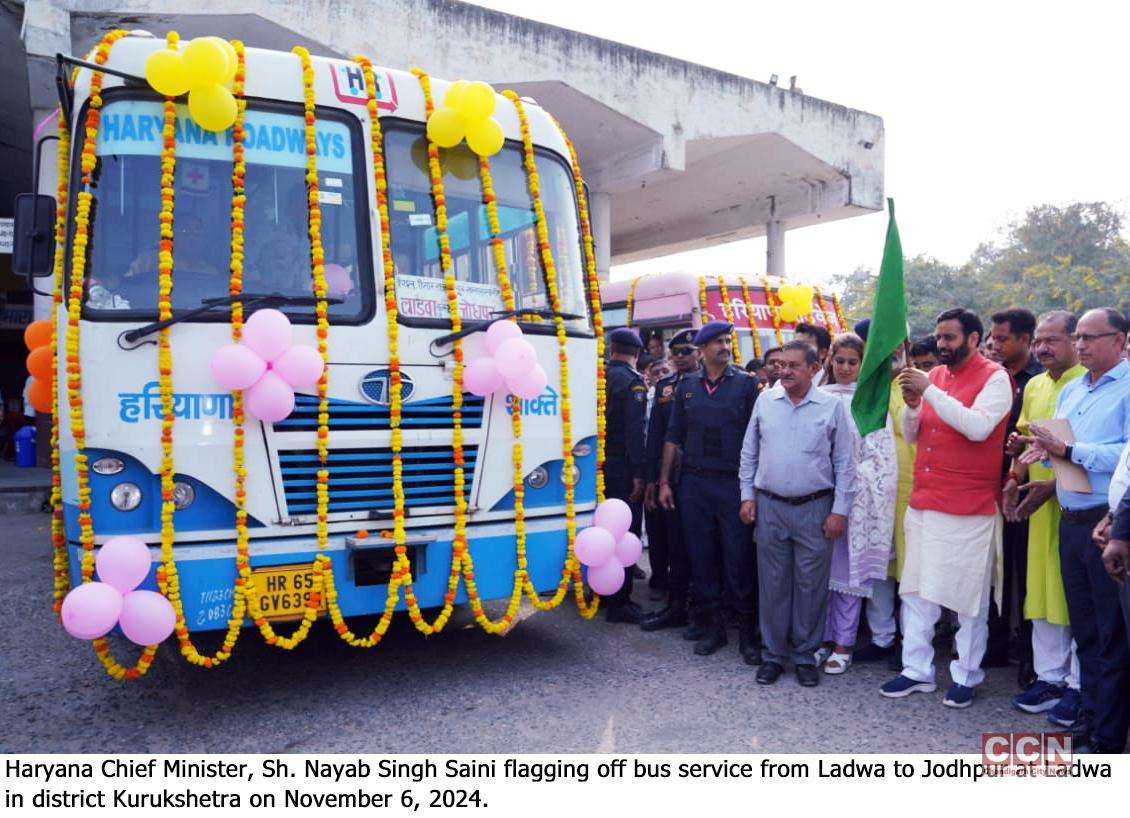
(989,107)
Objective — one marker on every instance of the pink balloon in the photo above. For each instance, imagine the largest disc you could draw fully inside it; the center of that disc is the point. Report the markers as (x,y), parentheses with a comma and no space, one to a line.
(147,617)
(481,377)
(235,366)
(268,333)
(594,546)
(271,399)
(515,358)
(606,579)
(338,280)
(300,365)
(91,610)
(615,515)
(628,549)
(499,333)
(530,385)
(123,562)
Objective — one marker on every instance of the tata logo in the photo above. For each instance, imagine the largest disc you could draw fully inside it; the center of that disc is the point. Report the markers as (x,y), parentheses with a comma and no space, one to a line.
(376,386)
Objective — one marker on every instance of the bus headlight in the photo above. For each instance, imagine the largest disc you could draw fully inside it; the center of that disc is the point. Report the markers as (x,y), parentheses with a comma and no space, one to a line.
(582,450)
(538,478)
(107,466)
(183,495)
(576,474)
(125,496)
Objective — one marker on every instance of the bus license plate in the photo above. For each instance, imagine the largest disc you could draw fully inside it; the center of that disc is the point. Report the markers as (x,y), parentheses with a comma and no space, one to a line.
(283,590)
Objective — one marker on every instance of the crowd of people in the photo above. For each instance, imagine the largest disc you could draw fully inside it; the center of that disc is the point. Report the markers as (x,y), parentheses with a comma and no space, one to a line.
(993,501)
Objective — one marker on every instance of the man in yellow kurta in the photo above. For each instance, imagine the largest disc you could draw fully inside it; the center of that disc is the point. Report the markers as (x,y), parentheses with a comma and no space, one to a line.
(1056,688)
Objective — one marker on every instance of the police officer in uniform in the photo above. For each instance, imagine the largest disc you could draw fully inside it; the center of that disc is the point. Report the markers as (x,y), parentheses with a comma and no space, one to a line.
(709,416)
(625,409)
(668,524)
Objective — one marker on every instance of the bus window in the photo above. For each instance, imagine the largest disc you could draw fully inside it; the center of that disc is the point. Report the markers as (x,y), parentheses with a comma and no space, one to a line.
(127,196)
(415,243)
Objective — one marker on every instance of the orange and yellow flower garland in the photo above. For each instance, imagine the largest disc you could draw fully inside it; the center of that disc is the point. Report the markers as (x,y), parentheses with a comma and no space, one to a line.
(752,318)
(630,302)
(572,566)
(60,557)
(703,315)
(81,239)
(774,311)
(839,312)
(728,312)
(824,310)
(593,280)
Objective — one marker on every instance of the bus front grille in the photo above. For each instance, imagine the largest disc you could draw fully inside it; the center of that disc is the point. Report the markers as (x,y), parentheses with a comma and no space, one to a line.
(434,413)
(361,479)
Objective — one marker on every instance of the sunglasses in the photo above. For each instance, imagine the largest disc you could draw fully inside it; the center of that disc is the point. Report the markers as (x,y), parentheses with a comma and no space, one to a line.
(681,351)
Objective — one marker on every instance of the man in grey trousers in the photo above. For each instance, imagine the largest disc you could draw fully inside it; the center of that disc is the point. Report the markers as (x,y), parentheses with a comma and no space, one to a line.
(796,476)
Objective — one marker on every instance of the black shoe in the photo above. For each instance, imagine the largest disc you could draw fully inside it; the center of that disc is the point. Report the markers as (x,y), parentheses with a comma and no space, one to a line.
(748,642)
(1025,675)
(673,616)
(699,629)
(768,673)
(714,640)
(873,653)
(1081,730)
(807,675)
(629,612)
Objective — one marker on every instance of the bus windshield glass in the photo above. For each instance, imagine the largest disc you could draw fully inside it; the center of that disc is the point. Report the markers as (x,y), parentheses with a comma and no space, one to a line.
(420,291)
(122,280)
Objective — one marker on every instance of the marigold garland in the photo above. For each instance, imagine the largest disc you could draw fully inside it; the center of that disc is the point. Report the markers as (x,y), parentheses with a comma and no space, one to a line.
(839,312)
(168,576)
(774,311)
(595,305)
(60,555)
(824,309)
(728,311)
(80,241)
(752,318)
(703,314)
(572,566)
(630,302)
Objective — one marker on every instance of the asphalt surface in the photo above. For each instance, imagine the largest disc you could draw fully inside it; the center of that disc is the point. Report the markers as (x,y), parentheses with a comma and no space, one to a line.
(556,683)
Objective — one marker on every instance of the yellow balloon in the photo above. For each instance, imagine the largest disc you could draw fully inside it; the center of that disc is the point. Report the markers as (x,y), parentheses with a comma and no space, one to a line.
(476,101)
(784,293)
(804,295)
(230,58)
(165,71)
(485,137)
(788,312)
(207,62)
(446,127)
(212,108)
(455,93)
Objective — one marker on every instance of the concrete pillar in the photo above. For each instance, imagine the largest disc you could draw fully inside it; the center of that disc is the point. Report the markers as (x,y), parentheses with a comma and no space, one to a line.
(775,248)
(600,210)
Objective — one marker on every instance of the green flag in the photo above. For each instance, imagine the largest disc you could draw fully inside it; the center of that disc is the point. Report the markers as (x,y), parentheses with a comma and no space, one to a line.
(885,335)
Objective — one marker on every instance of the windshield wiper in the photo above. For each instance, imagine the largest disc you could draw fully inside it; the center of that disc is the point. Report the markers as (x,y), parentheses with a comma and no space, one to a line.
(500,315)
(131,337)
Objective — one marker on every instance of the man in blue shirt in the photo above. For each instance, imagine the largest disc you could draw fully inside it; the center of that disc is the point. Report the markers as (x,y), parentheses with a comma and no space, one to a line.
(1098,408)
(796,478)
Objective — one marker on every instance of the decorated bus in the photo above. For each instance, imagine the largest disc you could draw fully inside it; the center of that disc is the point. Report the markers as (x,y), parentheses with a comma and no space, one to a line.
(275,277)
(763,309)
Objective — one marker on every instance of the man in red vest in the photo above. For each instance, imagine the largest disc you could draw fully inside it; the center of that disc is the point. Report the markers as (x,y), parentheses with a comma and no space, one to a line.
(957,414)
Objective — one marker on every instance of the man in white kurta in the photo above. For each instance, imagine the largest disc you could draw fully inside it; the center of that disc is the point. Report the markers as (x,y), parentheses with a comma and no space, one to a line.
(957,415)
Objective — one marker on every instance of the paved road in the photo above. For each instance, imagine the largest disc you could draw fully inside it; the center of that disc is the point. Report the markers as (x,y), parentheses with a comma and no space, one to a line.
(555,684)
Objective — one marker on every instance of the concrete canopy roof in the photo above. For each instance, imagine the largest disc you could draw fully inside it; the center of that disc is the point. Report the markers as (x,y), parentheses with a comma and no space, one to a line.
(681,155)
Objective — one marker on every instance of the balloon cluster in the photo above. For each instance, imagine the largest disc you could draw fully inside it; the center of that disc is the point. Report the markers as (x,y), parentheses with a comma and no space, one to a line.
(268,365)
(37,336)
(796,300)
(93,609)
(607,547)
(465,113)
(511,361)
(203,70)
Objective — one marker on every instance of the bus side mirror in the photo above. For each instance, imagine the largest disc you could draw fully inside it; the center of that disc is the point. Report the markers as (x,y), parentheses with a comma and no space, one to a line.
(33,242)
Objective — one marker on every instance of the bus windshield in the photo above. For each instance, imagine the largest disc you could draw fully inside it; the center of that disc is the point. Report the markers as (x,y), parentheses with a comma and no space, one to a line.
(122,280)
(420,289)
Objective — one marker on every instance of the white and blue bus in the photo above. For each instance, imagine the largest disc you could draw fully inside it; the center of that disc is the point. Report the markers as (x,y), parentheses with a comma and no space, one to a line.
(119,354)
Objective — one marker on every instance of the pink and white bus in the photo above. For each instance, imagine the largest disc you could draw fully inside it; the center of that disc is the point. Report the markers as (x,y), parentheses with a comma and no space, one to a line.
(666,302)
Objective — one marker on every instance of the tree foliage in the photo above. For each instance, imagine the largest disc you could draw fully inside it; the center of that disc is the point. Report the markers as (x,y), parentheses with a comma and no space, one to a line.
(1072,257)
